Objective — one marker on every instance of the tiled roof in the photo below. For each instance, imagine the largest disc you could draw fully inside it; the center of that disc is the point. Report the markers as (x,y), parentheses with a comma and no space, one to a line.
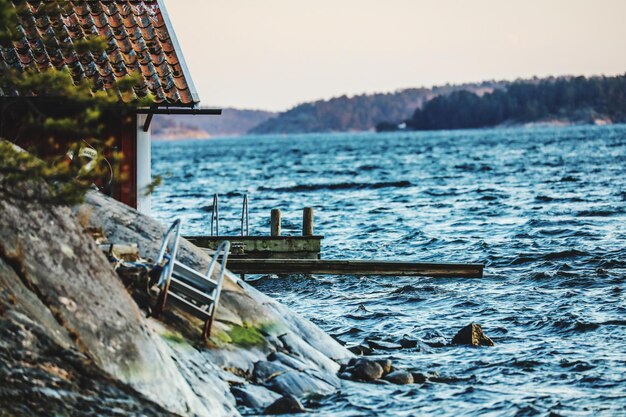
(139,36)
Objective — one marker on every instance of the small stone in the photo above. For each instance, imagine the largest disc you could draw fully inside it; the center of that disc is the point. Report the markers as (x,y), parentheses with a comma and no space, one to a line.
(386,364)
(366,370)
(400,378)
(419,378)
(285,405)
(472,335)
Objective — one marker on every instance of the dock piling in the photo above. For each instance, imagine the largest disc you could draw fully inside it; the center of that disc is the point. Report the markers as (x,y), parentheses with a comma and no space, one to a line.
(276,226)
(307,221)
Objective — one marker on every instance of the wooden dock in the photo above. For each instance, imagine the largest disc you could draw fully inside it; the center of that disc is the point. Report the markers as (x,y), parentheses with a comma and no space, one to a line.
(284,255)
(354,267)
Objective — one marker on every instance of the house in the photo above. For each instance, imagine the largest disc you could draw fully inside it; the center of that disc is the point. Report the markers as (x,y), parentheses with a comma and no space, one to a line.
(140,40)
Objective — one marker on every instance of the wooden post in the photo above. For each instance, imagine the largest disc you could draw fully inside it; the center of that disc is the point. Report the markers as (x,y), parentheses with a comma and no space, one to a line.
(275,222)
(307,221)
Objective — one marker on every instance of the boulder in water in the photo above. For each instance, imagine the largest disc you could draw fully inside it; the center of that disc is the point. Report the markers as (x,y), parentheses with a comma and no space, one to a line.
(366,370)
(472,335)
(400,378)
(285,405)
(386,364)
(419,378)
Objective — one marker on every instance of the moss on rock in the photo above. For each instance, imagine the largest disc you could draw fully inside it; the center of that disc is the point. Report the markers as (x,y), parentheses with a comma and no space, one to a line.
(247,335)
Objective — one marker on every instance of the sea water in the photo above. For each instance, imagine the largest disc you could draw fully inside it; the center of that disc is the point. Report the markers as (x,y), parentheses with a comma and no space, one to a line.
(543,208)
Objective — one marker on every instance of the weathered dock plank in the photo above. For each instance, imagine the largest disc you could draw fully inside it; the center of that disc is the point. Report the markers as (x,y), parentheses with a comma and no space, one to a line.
(354,267)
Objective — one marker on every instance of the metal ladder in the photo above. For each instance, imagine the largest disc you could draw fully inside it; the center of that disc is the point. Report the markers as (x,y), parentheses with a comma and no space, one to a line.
(193,292)
(215,216)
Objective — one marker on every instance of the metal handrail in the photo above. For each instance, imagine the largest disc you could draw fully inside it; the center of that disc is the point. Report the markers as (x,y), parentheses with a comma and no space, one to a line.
(245,217)
(215,216)
(175,229)
(224,250)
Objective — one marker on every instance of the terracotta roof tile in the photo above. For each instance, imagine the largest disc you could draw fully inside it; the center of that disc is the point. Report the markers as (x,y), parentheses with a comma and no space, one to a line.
(138,36)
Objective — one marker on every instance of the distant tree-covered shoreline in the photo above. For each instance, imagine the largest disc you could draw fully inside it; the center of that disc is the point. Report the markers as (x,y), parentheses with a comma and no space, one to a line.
(574,99)
(359,113)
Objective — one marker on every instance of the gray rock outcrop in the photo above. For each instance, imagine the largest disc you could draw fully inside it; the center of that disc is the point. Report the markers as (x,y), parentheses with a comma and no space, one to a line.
(71,333)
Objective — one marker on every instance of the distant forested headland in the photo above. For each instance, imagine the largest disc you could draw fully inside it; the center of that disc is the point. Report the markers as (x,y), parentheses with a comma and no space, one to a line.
(361,112)
(563,100)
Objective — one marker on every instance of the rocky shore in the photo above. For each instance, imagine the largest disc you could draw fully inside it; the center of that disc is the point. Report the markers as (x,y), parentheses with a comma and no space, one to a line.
(74,341)
(76,336)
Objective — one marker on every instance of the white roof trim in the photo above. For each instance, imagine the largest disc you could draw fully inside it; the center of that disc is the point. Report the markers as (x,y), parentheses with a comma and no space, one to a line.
(179,52)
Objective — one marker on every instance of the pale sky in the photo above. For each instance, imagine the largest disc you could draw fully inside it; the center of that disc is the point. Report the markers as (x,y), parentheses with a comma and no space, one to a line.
(274,54)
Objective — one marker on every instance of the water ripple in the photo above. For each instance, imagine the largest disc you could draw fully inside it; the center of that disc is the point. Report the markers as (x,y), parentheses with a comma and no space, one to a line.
(543,208)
